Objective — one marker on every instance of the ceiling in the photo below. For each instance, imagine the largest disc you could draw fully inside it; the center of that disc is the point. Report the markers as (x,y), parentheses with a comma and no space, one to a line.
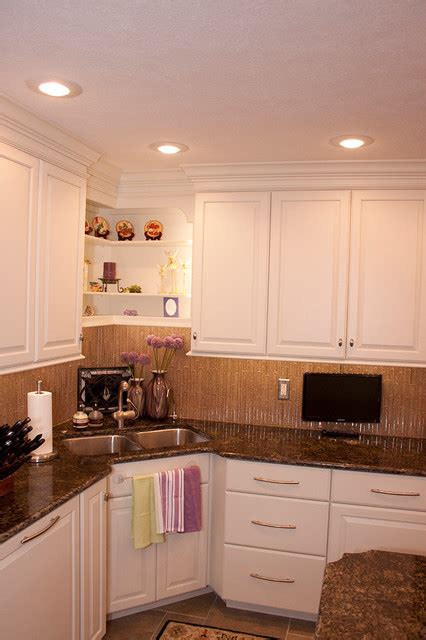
(236,80)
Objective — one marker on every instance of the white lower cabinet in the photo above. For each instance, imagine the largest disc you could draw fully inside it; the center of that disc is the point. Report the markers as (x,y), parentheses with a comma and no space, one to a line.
(273,520)
(354,529)
(385,511)
(40,579)
(93,561)
(269,529)
(142,576)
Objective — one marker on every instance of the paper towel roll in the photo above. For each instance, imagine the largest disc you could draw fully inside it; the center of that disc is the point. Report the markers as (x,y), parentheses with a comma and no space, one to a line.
(40,412)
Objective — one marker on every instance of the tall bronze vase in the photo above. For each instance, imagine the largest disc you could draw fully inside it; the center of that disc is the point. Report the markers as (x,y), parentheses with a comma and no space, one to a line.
(157,402)
(136,395)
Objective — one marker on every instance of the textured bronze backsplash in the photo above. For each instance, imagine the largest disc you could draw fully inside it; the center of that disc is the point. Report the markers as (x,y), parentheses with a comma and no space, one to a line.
(245,391)
(222,389)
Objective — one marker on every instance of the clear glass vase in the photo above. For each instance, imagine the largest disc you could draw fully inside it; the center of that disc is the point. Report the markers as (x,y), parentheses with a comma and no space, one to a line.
(136,396)
(157,396)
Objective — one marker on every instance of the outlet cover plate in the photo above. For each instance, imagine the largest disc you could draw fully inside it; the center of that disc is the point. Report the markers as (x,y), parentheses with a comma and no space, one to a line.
(283,389)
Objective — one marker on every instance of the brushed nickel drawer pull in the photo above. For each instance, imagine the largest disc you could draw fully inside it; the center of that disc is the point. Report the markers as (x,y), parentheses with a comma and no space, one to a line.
(46,528)
(259,577)
(274,526)
(395,493)
(260,479)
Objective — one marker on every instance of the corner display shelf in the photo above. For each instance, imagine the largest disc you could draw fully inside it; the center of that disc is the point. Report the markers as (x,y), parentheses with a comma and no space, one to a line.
(147,244)
(138,263)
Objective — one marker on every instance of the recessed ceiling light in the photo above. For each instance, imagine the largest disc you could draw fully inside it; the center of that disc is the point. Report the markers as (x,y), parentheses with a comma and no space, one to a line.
(55,88)
(351,141)
(169,148)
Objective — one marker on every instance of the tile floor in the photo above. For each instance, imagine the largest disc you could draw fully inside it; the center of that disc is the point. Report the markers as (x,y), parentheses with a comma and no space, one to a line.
(207,609)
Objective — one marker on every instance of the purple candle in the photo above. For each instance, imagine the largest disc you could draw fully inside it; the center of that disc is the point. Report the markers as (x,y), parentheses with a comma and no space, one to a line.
(110,270)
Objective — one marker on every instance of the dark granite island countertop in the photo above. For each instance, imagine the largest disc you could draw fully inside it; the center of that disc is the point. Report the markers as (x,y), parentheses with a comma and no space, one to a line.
(41,488)
(375,595)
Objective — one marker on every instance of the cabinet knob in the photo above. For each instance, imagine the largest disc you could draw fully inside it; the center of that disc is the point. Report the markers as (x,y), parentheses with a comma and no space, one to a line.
(81,337)
(340,343)
(351,342)
(194,335)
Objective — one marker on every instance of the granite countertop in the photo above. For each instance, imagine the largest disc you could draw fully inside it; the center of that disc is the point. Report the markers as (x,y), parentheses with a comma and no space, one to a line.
(373,595)
(41,488)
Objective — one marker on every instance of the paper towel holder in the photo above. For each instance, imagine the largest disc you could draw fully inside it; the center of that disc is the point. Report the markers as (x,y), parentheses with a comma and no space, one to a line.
(42,457)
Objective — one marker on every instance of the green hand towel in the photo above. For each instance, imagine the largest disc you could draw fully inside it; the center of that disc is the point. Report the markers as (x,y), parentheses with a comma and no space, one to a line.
(143,524)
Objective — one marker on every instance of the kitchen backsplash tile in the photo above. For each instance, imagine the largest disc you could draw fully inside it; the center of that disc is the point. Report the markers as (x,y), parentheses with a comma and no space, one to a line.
(223,389)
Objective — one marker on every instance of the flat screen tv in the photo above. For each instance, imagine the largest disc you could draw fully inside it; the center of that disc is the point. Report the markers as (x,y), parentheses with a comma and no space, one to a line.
(341,397)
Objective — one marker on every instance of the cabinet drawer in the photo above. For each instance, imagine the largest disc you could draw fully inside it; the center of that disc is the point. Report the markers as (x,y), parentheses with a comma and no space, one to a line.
(41,528)
(278,479)
(276,523)
(120,480)
(354,529)
(273,579)
(379,490)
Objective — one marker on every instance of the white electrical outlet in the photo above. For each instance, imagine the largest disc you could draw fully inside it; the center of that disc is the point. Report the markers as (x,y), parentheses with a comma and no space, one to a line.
(283,389)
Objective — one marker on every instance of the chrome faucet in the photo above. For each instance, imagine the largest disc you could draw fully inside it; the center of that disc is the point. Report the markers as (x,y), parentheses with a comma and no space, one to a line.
(121,415)
(171,404)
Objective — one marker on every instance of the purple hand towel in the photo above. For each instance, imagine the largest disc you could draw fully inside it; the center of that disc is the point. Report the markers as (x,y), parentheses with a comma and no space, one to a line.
(192,499)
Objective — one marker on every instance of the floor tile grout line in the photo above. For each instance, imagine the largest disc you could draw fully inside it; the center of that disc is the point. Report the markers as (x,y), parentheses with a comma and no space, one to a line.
(158,627)
(288,629)
(211,606)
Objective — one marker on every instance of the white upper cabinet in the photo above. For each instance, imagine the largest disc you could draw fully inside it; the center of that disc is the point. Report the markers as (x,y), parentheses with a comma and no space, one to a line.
(308,273)
(18,206)
(346,280)
(387,291)
(59,264)
(230,272)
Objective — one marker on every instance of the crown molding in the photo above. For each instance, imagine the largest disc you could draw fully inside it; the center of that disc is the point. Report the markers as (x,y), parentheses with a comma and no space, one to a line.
(103,183)
(29,132)
(169,190)
(344,174)
(155,183)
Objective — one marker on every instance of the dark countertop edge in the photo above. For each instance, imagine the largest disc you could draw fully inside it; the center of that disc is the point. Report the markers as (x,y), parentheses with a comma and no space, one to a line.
(44,511)
(109,460)
(345,466)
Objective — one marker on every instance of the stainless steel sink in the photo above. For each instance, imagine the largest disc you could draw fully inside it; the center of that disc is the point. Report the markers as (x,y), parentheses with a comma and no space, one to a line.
(169,437)
(100,445)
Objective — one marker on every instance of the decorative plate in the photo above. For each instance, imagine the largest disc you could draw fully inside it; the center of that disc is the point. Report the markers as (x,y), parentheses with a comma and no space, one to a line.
(101,227)
(125,230)
(153,230)
(87,228)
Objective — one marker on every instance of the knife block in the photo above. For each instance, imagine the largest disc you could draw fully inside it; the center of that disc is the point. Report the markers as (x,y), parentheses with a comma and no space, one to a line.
(7,485)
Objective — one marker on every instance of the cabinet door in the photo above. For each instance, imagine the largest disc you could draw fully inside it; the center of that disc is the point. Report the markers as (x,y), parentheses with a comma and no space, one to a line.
(18,204)
(308,274)
(354,529)
(230,275)
(387,294)
(131,572)
(60,263)
(93,561)
(182,560)
(39,579)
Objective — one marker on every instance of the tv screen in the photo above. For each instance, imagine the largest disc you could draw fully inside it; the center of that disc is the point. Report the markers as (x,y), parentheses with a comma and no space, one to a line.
(341,397)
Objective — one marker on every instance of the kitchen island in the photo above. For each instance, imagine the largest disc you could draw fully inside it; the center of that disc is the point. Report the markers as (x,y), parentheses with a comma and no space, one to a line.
(373,595)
